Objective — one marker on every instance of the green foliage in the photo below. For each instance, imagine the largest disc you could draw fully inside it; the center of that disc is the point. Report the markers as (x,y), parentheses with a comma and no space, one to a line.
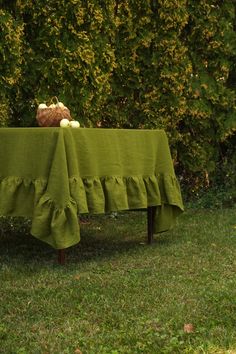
(67,54)
(11,34)
(4,112)
(128,64)
(211,43)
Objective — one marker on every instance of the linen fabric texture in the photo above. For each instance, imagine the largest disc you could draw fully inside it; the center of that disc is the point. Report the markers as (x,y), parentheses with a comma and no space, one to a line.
(52,175)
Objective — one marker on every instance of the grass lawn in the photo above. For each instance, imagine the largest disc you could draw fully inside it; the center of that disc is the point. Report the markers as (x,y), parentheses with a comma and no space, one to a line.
(118,295)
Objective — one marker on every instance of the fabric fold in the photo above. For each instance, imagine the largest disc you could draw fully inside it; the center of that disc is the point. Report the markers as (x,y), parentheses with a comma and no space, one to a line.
(52,175)
(98,195)
(52,224)
(18,196)
(58,227)
(112,193)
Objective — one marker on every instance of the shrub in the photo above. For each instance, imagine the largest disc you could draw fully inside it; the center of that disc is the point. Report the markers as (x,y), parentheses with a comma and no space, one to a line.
(11,36)
(128,64)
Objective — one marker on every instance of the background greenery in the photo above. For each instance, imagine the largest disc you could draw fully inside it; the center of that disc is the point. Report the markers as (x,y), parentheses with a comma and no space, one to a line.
(148,64)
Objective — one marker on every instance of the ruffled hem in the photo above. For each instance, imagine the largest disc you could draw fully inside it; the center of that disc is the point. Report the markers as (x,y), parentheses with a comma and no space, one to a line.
(104,194)
(19,196)
(59,226)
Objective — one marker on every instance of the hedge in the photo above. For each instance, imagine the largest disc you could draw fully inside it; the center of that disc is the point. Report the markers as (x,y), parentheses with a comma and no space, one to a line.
(128,64)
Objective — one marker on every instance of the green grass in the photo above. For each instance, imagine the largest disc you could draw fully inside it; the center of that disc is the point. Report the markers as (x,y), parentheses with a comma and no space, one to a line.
(118,295)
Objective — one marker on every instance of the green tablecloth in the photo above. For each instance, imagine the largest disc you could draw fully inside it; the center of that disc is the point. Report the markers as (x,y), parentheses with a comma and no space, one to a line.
(52,175)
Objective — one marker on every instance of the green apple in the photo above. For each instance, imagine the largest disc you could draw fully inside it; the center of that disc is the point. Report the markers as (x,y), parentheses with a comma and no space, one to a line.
(74,124)
(42,106)
(64,123)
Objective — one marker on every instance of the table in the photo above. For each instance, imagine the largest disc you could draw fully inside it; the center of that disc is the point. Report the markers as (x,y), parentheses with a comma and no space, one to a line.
(52,175)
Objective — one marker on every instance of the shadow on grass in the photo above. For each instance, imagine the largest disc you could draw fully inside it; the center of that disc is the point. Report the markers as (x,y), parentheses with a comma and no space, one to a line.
(101,237)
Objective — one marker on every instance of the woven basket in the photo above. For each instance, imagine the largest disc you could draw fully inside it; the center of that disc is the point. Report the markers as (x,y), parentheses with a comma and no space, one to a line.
(51,117)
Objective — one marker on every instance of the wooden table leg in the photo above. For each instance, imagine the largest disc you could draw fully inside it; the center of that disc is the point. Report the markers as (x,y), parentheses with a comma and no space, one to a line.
(61,256)
(150,221)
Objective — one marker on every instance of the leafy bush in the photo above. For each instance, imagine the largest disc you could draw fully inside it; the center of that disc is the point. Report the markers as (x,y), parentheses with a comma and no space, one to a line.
(128,64)
(11,33)
(66,54)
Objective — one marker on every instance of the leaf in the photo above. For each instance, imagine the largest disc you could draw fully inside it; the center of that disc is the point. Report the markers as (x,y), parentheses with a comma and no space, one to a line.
(78,351)
(188,328)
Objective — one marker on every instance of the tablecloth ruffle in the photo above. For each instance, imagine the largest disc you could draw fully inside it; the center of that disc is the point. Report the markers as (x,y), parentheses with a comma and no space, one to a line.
(88,195)
(52,224)
(111,193)
(19,195)
(29,198)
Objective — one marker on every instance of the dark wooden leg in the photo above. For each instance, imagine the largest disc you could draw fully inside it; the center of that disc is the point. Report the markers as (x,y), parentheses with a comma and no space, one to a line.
(150,220)
(61,256)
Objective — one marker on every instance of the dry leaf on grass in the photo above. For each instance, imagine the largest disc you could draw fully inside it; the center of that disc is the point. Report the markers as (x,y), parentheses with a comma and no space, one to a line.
(188,328)
(78,351)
